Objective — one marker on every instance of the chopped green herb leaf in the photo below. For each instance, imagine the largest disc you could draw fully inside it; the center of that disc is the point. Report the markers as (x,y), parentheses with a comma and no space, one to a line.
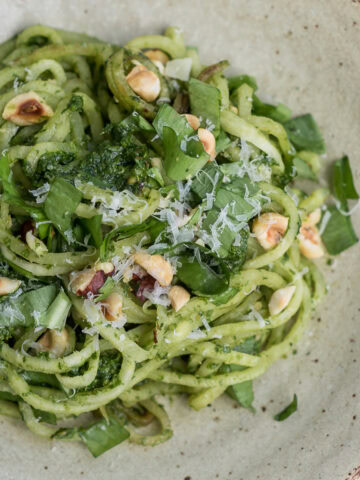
(289,410)
(305,134)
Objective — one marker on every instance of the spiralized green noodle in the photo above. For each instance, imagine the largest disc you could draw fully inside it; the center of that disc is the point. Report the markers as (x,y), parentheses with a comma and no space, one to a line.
(151,348)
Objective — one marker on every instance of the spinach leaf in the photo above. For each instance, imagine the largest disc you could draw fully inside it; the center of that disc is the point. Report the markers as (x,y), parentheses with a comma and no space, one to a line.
(305,134)
(12,195)
(205,104)
(103,435)
(46,417)
(168,117)
(183,157)
(40,379)
(280,113)
(207,180)
(234,202)
(343,182)
(250,345)
(184,154)
(61,203)
(9,397)
(339,234)
(303,169)
(224,297)
(28,309)
(223,141)
(200,277)
(242,392)
(93,226)
(6,176)
(289,410)
(127,231)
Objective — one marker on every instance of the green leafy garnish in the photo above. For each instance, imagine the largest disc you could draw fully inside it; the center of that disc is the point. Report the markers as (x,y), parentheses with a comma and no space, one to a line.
(12,195)
(93,226)
(343,182)
(338,234)
(184,154)
(200,277)
(289,410)
(280,113)
(303,170)
(205,104)
(61,203)
(242,392)
(103,435)
(305,134)
(207,181)
(28,309)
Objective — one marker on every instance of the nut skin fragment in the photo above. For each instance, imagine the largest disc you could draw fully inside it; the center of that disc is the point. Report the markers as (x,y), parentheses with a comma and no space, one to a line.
(179,297)
(144,82)
(54,342)
(269,228)
(8,285)
(156,266)
(112,306)
(280,299)
(193,120)
(27,109)
(208,141)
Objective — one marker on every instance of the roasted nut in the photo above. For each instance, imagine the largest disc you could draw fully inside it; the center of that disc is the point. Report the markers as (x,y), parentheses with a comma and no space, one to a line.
(81,281)
(313,218)
(54,342)
(156,162)
(309,237)
(208,141)
(144,82)
(280,299)
(156,266)
(310,242)
(269,229)
(89,282)
(106,267)
(178,297)
(26,109)
(112,306)
(8,285)
(157,55)
(192,120)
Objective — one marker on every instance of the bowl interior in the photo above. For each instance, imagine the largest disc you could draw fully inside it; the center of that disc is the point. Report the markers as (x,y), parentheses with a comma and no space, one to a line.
(305,54)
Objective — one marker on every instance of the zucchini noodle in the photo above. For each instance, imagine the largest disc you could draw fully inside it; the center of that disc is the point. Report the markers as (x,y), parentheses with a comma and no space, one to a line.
(136,259)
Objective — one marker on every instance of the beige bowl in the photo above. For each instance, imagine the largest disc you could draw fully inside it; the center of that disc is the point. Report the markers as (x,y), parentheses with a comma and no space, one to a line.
(305,53)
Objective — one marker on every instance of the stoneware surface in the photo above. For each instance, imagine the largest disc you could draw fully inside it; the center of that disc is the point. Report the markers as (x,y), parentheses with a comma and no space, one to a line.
(307,54)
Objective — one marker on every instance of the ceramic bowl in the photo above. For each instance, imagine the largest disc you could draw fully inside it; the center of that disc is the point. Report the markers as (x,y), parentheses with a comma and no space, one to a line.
(306,54)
